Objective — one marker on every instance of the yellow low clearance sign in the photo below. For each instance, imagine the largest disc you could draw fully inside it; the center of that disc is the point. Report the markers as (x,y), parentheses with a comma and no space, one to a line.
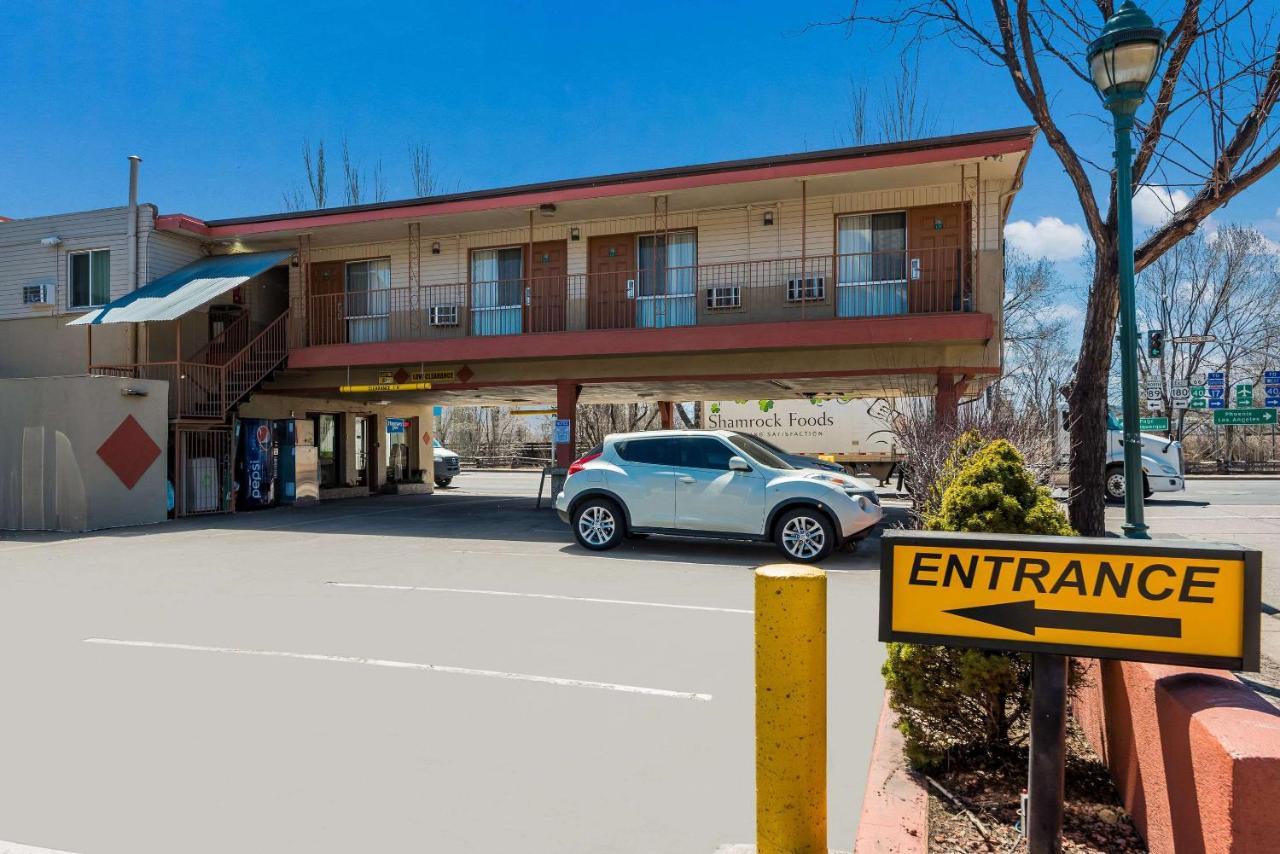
(1142,600)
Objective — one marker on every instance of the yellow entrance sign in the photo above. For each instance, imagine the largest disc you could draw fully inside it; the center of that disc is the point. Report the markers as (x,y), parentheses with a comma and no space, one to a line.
(1141,600)
(356,389)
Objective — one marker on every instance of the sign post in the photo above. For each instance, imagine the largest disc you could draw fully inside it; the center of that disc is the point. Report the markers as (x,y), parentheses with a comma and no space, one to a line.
(1168,602)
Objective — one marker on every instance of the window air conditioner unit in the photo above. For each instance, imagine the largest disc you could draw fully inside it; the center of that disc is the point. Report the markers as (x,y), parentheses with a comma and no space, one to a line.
(803,290)
(444,315)
(35,294)
(724,296)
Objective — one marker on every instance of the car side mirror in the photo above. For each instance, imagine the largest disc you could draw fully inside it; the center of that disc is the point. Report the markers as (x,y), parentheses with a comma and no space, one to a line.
(738,464)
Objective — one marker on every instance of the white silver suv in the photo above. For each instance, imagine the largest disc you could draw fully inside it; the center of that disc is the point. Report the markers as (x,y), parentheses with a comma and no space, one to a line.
(711,483)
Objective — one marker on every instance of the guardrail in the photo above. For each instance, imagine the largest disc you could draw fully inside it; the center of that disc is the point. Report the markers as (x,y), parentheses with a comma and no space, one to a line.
(872,284)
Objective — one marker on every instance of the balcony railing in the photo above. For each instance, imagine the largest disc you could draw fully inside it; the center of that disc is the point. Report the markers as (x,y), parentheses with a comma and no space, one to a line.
(873,284)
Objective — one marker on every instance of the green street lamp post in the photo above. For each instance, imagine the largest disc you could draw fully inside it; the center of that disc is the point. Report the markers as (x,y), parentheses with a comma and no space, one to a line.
(1122,61)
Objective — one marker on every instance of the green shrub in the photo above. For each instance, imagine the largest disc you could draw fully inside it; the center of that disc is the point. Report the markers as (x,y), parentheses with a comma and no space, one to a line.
(950,698)
(996,493)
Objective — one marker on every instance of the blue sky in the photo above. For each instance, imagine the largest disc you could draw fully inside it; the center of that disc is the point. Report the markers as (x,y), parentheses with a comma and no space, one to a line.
(218,97)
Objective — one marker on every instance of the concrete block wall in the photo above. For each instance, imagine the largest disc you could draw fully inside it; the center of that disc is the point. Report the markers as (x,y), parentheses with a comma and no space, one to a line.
(1195,754)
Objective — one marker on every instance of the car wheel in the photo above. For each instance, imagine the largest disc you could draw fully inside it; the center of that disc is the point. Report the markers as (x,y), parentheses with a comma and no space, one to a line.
(804,535)
(598,524)
(442,482)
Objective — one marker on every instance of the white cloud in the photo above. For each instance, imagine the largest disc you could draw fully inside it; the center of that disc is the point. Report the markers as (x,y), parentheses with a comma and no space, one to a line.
(1064,311)
(1153,206)
(1049,238)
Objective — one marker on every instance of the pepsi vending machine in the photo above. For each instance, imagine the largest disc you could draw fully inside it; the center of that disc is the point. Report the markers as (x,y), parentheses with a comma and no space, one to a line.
(256,464)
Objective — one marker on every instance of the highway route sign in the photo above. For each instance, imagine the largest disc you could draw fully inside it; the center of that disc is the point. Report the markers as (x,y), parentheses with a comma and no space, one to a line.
(1217,378)
(1180,395)
(1170,602)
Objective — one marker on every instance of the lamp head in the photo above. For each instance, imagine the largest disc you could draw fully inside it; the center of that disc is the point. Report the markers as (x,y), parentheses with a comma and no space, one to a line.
(1123,59)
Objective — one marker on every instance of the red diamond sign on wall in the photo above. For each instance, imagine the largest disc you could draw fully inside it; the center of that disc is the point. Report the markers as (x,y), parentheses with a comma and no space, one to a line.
(465,373)
(402,376)
(129,451)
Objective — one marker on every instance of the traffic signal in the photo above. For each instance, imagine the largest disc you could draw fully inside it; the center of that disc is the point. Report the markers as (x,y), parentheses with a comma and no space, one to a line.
(1155,343)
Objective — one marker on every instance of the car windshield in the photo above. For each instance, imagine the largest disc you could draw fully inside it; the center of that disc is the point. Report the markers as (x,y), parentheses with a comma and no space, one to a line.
(758,452)
(435,443)
(765,443)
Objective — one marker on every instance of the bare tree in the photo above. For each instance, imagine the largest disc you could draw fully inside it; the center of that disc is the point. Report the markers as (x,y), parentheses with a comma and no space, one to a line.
(315,168)
(425,181)
(1207,128)
(350,175)
(1036,359)
(902,110)
(597,420)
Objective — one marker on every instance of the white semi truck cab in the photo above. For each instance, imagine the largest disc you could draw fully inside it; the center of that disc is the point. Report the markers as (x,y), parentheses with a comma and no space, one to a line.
(1161,463)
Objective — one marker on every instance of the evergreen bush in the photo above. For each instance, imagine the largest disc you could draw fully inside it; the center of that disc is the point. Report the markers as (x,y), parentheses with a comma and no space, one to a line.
(950,698)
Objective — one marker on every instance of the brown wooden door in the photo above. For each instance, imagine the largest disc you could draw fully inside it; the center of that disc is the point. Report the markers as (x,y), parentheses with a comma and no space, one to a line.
(937,248)
(612,262)
(545,294)
(326,309)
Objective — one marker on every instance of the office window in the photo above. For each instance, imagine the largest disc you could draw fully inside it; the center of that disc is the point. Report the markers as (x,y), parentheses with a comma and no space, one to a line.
(88,278)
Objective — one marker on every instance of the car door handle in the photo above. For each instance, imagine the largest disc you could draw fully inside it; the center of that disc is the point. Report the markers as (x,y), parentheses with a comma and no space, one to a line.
(684,478)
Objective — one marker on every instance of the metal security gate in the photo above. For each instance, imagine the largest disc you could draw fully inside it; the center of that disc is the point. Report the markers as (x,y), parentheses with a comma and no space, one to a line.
(203,464)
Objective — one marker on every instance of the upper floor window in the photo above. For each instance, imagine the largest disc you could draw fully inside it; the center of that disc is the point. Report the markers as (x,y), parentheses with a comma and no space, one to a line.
(88,278)
(368,286)
(872,247)
(496,288)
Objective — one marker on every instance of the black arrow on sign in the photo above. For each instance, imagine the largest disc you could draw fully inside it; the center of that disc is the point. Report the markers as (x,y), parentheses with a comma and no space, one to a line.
(1025,617)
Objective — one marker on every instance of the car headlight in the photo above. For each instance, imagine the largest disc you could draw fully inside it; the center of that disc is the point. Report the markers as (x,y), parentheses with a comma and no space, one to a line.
(1168,469)
(865,494)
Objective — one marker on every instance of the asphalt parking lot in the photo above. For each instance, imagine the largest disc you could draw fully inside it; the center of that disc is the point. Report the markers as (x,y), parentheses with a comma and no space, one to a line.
(401,673)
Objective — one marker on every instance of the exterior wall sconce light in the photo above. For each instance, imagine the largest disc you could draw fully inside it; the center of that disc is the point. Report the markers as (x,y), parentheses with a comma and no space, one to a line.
(293,260)
(575,234)
(435,248)
(768,217)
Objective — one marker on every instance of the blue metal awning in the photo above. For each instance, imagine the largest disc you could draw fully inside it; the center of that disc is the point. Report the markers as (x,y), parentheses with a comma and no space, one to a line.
(186,289)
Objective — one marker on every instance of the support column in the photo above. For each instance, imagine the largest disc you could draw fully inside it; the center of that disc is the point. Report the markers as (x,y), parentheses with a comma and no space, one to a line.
(666,412)
(567,392)
(946,400)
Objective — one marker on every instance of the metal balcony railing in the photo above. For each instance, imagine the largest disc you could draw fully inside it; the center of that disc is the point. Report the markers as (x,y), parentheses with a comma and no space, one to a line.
(872,284)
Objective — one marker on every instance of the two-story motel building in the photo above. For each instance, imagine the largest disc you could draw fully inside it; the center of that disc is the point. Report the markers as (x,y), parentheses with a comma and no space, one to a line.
(868,270)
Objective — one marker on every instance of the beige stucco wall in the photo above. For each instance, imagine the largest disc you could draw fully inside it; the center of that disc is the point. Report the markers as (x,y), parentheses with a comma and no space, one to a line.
(47,347)
(51,477)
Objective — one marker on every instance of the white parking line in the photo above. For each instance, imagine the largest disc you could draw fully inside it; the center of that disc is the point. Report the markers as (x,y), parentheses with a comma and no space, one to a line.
(464,590)
(19,848)
(410,665)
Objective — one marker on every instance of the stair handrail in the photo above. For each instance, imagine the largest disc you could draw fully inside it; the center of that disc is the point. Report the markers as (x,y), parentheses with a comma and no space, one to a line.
(200,356)
(227,366)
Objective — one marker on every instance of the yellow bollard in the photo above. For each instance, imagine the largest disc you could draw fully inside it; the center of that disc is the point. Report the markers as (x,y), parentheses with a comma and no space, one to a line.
(791,710)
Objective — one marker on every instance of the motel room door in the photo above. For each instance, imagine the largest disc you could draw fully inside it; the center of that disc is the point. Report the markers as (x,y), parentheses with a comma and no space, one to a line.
(937,247)
(544,298)
(328,316)
(612,264)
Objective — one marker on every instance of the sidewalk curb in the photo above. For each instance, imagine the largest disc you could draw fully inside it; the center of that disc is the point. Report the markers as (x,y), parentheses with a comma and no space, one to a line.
(1231,477)
(895,807)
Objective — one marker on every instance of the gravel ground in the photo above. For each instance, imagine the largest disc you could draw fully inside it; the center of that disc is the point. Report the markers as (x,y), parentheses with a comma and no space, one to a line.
(1094,820)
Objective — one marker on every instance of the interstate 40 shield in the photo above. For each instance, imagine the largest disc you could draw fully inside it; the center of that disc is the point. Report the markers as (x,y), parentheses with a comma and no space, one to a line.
(1171,602)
